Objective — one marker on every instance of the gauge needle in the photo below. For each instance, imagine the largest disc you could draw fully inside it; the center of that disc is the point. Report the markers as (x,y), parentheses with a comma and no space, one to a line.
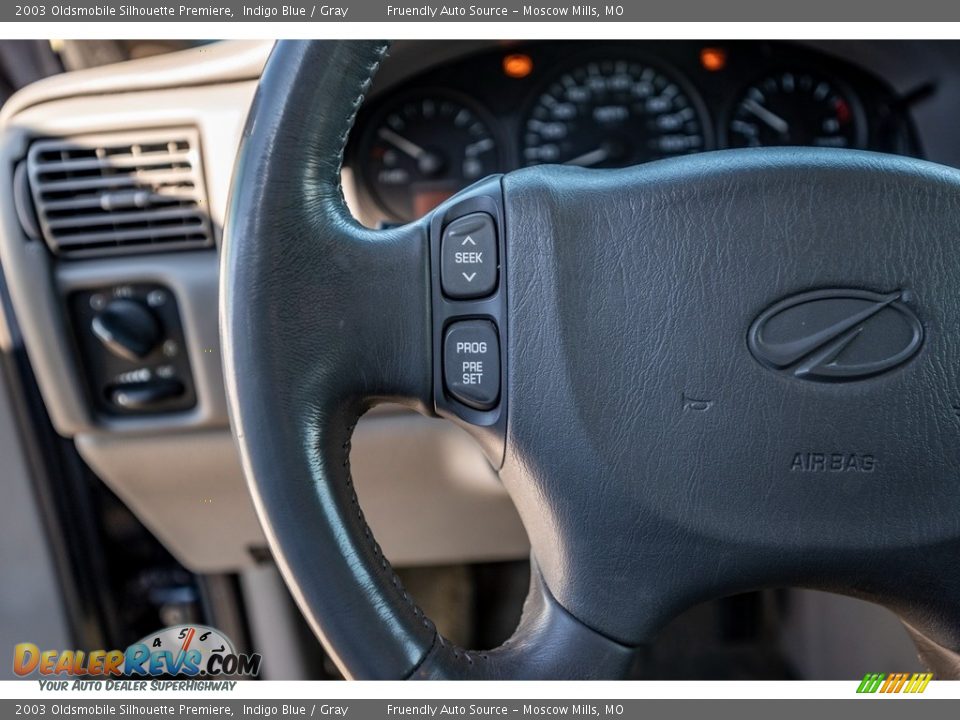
(402,144)
(774,121)
(589,158)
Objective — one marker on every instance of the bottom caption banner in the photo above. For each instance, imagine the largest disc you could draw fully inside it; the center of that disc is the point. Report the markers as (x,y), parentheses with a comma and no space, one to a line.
(369,709)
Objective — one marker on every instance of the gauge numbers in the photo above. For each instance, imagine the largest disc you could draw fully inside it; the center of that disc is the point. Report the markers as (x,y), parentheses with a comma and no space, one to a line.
(426,148)
(181,638)
(795,108)
(612,113)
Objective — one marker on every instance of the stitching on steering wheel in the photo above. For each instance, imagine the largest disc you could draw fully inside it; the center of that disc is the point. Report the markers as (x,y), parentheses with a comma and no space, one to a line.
(372,69)
(385,565)
(438,641)
(368,534)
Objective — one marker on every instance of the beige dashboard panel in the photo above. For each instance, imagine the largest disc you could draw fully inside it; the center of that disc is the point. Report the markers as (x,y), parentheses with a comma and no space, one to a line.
(427,491)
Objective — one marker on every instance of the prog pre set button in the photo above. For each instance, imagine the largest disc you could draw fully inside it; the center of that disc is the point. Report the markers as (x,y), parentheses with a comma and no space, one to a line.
(468,257)
(471,363)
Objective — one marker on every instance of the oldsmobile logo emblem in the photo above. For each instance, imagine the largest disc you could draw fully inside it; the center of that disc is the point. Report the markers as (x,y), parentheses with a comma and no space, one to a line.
(836,335)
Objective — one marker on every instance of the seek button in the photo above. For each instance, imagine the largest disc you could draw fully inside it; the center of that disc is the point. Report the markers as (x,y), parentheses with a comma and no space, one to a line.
(468,257)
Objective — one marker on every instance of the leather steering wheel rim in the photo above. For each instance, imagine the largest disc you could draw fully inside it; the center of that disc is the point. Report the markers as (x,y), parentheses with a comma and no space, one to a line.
(342,582)
(323,318)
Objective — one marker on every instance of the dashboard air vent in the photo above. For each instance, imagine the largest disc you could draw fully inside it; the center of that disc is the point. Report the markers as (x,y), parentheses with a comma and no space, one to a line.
(120,193)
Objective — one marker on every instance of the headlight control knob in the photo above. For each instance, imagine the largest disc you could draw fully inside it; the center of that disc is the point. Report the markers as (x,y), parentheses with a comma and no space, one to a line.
(127,328)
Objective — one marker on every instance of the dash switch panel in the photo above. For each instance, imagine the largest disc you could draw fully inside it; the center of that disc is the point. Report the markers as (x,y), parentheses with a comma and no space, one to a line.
(132,347)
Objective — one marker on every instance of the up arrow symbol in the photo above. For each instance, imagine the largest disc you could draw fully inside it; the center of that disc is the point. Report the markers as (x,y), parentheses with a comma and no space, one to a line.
(466,240)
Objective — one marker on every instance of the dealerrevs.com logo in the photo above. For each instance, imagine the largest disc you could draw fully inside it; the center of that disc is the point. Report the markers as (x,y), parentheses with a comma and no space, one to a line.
(192,651)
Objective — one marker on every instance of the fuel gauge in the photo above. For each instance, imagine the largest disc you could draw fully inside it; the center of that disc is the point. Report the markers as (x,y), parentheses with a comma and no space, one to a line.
(799,109)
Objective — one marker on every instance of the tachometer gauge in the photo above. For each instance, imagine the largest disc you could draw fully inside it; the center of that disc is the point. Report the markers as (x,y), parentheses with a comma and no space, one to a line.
(795,108)
(612,113)
(425,148)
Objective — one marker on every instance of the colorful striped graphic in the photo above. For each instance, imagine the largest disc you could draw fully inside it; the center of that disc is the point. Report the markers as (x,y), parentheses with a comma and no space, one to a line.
(894,683)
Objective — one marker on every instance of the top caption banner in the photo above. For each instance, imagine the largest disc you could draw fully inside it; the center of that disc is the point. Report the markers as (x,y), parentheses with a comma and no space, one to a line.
(490,11)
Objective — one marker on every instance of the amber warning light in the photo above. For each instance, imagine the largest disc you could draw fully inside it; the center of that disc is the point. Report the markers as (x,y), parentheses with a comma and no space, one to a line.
(713,59)
(517,66)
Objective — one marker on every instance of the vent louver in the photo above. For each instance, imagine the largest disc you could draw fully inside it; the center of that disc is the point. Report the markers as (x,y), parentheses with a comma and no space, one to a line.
(120,193)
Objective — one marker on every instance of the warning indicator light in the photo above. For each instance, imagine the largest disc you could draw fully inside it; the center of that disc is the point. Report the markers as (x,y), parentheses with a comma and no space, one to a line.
(713,59)
(517,66)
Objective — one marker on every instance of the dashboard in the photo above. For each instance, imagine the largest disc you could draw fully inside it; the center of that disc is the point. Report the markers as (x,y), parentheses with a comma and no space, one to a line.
(179,470)
(610,104)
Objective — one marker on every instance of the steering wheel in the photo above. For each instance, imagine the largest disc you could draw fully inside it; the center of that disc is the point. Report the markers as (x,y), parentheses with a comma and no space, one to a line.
(698,377)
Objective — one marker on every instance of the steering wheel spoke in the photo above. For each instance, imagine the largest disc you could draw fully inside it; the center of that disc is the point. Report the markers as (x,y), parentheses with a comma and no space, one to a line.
(322,318)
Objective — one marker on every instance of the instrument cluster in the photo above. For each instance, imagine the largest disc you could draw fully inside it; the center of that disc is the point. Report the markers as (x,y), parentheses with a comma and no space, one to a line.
(606,105)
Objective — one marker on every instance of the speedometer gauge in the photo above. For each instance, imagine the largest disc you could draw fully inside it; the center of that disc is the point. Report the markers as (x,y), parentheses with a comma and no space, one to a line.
(612,113)
(425,148)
